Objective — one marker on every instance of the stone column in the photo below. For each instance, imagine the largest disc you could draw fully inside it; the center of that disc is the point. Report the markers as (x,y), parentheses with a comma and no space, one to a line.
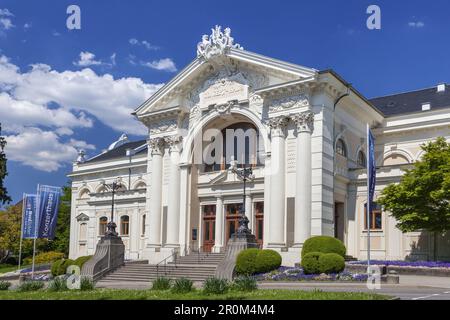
(277,182)
(157,149)
(173,211)
(249,211)
(219,236)
(303,195)
(184,208)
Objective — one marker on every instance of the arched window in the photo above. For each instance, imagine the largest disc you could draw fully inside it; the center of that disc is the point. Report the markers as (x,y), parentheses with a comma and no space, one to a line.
(239,141)
(362,159)
(124,225)
(341,148)
(103,221)
(143,225)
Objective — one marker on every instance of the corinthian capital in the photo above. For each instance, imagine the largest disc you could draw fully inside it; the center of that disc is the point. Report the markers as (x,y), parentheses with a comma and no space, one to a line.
(278,124)
(304,121)
(173,142)
(156,145)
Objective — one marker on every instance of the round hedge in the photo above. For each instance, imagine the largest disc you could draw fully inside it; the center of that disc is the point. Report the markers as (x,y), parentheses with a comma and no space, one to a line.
(80,261)
(245,261)
(323,244)
(310,262)
(331,263)
(59,267)
(267,260)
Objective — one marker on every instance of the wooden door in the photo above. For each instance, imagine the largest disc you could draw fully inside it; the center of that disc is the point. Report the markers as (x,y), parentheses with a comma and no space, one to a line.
(209,227)
(232,218)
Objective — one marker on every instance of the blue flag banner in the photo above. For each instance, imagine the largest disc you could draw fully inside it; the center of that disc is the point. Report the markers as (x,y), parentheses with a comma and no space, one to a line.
(29,216)
(371,168)
(48,205)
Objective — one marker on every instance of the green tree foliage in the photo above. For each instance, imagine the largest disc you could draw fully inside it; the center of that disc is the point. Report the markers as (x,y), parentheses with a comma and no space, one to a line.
(4,198)
(422,198)
(62,234)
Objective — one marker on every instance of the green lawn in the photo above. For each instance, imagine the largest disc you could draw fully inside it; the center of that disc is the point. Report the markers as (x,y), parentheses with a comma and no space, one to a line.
(114,294)
(4,268)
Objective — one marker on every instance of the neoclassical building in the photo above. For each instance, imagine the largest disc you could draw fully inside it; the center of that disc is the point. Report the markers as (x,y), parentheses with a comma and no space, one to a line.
(301,130)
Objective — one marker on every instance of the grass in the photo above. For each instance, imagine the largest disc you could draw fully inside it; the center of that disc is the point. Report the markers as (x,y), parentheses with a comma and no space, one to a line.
(116,294)
(4,268)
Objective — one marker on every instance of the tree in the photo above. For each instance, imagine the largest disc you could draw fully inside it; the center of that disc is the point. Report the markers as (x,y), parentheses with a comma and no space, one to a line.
(62,234)
(422,198)
(4,198)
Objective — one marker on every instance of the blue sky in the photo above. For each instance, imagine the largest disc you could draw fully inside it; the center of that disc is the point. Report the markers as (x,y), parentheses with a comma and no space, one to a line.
(62,89)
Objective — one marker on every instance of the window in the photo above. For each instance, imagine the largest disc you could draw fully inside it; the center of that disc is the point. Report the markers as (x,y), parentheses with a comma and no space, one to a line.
(103,221)
(143,225)
(341,148)
(124,225)
(83,232)
(209,210)
(376,222)
(361,159)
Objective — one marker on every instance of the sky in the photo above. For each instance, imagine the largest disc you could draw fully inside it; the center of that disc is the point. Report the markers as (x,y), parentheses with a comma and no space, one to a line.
(63,90)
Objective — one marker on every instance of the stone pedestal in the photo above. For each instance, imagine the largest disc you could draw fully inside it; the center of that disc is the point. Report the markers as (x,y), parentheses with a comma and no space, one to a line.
(109,255)
(241,240)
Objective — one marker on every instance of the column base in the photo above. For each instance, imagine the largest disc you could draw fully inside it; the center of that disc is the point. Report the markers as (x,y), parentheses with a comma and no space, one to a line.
(217,249)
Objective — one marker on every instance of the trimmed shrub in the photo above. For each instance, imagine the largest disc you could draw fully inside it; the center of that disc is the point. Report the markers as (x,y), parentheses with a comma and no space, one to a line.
(182,285)
(246,261)
(4,285)
(161,284)
(59,267)
(331,263)
(80,261)
(44,257)
(323,244)
(310,262)
(31,285)
(267,260)
(58,284)
(86,283)
(245,283)
(215,286)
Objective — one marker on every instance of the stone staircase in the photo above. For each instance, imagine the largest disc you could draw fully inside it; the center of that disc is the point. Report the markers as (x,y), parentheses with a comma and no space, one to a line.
(195,266)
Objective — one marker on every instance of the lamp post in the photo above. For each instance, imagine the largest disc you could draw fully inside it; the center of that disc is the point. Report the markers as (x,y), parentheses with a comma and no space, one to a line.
(111,231)
(245,174)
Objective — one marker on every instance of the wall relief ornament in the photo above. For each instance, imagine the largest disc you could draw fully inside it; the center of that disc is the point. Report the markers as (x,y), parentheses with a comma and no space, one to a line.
(162,126)
(291,102)
(156,145)
(173,142)
(304,121)
(218,43)
(278,123)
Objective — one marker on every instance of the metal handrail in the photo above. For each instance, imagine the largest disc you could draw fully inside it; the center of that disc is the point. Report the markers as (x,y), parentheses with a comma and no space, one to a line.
(174,254)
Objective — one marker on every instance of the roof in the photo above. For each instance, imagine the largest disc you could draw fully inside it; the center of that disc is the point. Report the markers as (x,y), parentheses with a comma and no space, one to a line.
(409,102)
(120,151)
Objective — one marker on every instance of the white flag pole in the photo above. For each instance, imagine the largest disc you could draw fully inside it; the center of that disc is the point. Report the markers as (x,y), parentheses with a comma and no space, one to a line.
(36,225)
(21,230)
(368,212)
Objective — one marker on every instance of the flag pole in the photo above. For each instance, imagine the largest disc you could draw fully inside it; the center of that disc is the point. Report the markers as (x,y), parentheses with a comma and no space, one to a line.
(21,230)
(368,212)
(35,231)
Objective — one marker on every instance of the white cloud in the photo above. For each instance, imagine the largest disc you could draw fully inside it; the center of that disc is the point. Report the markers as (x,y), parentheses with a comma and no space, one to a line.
(416,24)
(5,19)
(145,43)
(87,59)
(163,64)
(42,150)
(27,25)
(50,104)
(113,59)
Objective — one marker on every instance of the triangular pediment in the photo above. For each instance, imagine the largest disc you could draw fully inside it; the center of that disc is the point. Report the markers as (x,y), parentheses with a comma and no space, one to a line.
(82,217)
(234,75)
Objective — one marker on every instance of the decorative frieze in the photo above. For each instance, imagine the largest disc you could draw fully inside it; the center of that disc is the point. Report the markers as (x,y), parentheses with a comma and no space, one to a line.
(304,121)
(163,126)
(291,102)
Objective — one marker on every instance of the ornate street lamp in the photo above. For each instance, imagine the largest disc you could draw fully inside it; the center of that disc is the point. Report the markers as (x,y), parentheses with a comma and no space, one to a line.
(245,174)
(111,226)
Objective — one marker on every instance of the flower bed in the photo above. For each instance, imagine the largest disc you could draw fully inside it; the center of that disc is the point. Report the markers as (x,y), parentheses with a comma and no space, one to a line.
(400,263)
(297,274)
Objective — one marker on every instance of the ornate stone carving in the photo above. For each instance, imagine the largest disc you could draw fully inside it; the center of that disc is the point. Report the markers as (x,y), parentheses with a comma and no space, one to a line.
(218,43)
(304,121)
(156,145)
(277,125)
(225,108)
(284,103)
(162,126)
(173,142)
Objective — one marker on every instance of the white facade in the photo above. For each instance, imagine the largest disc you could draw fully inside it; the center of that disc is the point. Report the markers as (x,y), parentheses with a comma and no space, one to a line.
(301,186)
